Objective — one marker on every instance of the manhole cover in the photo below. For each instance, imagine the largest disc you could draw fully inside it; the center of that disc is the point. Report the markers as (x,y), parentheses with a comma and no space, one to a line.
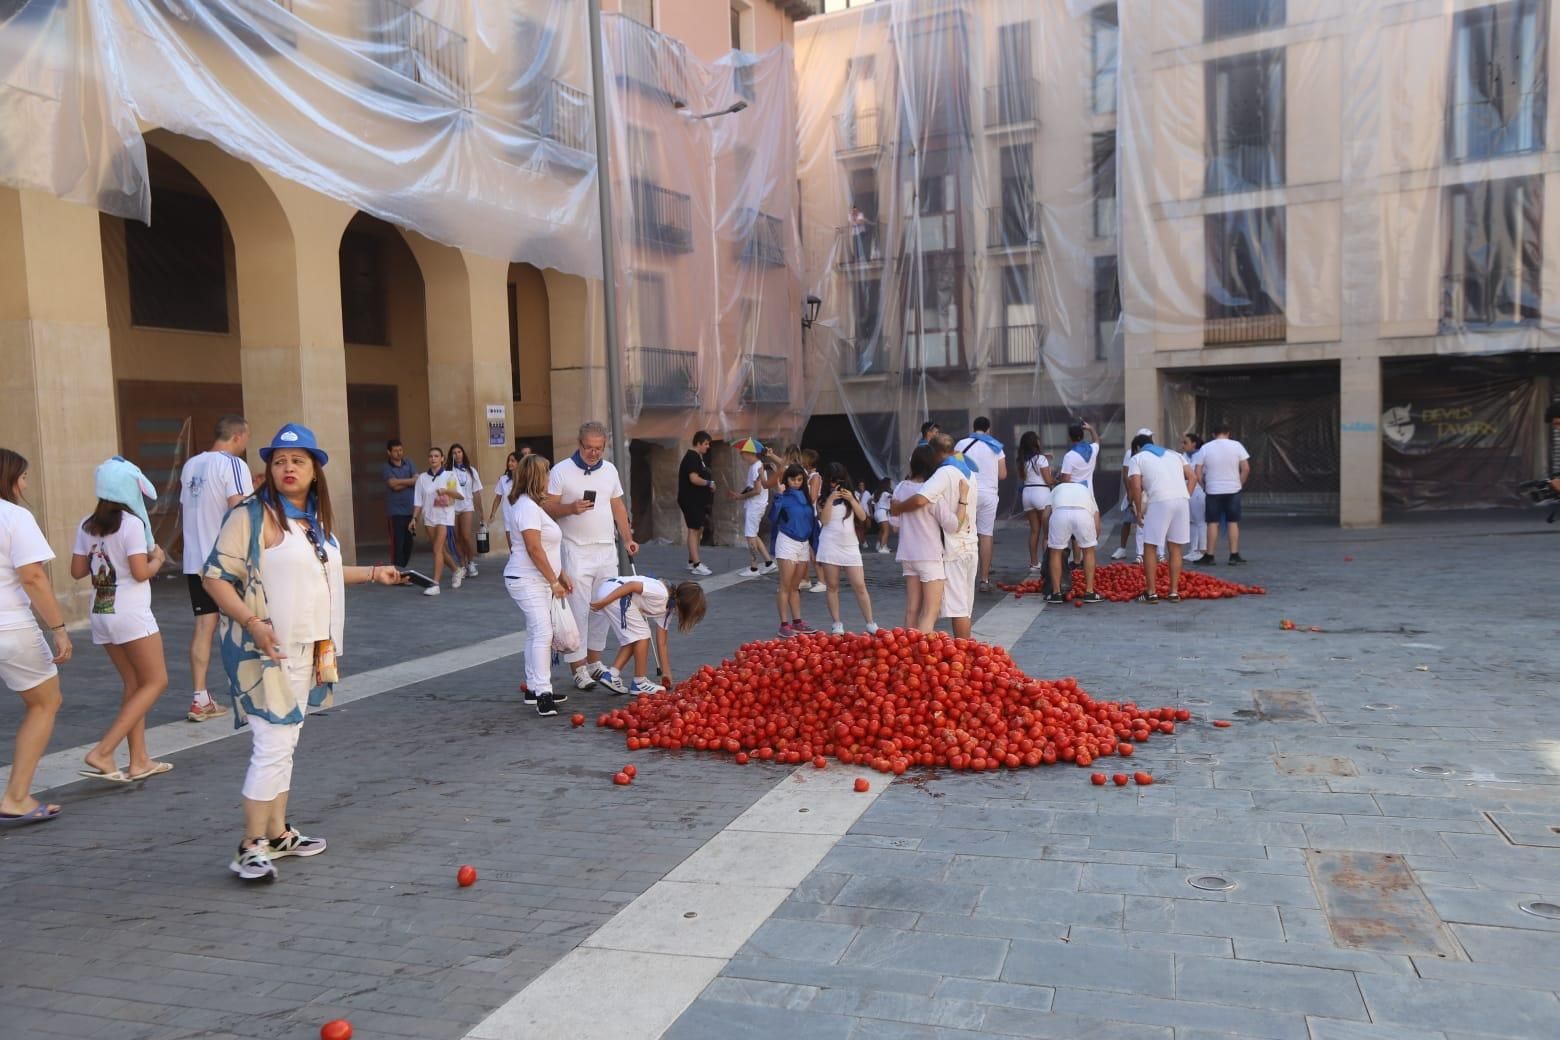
(1537,909)
(1379,706)
(1211,883)
(1432,771)
(691,914)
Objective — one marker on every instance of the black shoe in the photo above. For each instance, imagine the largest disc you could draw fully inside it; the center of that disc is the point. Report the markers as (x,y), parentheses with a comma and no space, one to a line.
(1055,597)
(1236,558)
(1093,597)
(559,696)
(529,694)
(544,705)
(1208,560)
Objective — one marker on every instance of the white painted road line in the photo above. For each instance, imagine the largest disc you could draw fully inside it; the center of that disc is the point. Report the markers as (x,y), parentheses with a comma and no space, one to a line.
(638,973)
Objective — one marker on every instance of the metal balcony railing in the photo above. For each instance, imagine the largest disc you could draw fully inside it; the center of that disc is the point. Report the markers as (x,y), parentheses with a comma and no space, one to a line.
(422,50)
(859,244)
(1014,345)
(661,378)
(651,62)
(765,241)
(1484,129)
(567,117)
(863,356)
(1015,226)
(1245,163)
(767,380)
(1254,328)
(857,133)
(1012,103)
(663,219)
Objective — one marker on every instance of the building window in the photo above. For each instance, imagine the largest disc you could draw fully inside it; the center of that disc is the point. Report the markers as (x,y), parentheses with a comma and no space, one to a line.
(1105,41)
(1245,263)
(1245,98)
(1107,305)
(1494,253)
(514,342)
(1223,18)
(641,11)
(1498,81)
(178,265)
(365,309)
(1105,185)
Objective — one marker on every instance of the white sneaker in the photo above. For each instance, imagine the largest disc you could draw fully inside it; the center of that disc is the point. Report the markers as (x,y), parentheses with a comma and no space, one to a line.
(471,569)
(700,570)
(608,678)
(818,586)
(641,687)
(1193,557)
(1137,559)
(460,576)
(583,680)
(770,567)
(872,628)
(883,550)
(1118,554)
(752,568)
(431,590)
(837,629)
(1035,567)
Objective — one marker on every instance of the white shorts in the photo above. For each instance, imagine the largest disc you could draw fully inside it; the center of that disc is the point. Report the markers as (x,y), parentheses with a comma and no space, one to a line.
(985,516)
(923,570)
(1069,522)
(1037,497)
(628,622)
(25,659)
(752,518)
(788,548)
(881,516)
(1168,521)
(439,517)
(120,628)
(959,592)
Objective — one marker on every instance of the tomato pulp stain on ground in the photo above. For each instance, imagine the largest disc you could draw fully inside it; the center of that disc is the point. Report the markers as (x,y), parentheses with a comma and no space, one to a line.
(1123,582)
(890,701)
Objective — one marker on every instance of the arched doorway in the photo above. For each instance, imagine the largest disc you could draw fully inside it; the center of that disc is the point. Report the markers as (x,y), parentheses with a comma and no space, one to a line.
(530,358)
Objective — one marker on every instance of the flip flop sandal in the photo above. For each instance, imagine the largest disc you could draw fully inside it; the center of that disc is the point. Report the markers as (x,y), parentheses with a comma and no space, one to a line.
(39,815)
(116,777)
(158,768)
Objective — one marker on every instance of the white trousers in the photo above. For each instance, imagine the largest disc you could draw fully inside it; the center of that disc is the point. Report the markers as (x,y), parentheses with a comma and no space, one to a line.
(587,566)
(1199,509)
(271,753)
(533,597)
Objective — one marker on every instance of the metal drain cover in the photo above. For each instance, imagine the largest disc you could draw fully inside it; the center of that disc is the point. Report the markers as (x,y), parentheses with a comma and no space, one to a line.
(1539,909)
(1379,706)
(1211,883)
(691,914)
(1432,771)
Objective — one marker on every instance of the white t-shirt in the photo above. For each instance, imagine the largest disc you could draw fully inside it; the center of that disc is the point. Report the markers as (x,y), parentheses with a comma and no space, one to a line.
(1073,496)
(114,588)
(429,487)
(569,483)
(505,482)
(526,515)
(1078,469)
(920,538)
(21,543)
(652,600)
(206,483)
(1221,459)
(755,478)
(469,482)
(1032,471)
(988,463)
(943,490)
(1164,476)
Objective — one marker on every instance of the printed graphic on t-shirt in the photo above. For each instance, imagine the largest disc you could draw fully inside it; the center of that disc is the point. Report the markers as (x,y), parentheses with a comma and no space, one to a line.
(105,580)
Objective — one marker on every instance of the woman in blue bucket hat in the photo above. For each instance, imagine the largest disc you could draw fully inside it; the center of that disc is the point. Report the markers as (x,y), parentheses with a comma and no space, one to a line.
(276,575)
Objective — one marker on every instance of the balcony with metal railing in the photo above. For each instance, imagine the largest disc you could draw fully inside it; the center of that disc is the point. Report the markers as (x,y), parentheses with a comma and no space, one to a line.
(1490,128)
(662,378)
(1013,104)
(859,245)
(766,380)
(1014,345)
(1245,329)
(857,134)
(764,243)
(419,49)
(663,219)
(651,62)
(1017,226)
(567,117)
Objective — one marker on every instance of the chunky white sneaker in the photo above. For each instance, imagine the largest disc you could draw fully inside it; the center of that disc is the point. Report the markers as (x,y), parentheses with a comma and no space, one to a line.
(641,687)
(1119,554)
(884,550)
(471,569)
(610,680)
(294,844)
(460,576)
(583,680)
(253,862)
(431,590)
(700,570)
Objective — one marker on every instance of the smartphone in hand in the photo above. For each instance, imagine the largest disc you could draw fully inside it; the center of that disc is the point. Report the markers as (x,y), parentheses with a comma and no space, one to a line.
(590,496)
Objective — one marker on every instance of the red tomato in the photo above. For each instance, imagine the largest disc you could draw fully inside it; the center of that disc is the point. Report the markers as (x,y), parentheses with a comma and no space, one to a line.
(862,785)
(622,779)
(819,762)
(466,876)
(336,1029)
(1221,723)
(742,758)
(577,720)
(1120,779)
(630,771)
(1097,779)
(1143,778)
(1125,750)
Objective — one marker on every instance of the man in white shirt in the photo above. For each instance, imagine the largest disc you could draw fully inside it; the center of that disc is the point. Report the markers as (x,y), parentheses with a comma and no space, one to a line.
(576,489)
(1160,484)
(1075,518)
(1128,521)
(210,484)
(1224,470)
(1079,462)
(952,486)
(989,460)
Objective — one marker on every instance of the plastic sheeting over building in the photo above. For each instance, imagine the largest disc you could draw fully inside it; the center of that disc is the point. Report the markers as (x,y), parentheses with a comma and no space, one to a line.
(957,168)
(470,124)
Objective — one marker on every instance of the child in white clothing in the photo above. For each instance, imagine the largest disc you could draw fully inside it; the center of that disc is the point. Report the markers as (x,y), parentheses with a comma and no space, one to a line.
(639,609)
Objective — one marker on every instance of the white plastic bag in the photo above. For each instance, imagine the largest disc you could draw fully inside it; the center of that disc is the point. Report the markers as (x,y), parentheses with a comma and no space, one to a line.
(566,634)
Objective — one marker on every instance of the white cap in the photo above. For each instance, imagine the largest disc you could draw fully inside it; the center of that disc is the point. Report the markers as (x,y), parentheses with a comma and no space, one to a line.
(1145,432)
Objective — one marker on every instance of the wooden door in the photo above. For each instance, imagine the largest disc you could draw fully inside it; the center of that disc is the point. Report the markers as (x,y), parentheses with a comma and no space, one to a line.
(373,417)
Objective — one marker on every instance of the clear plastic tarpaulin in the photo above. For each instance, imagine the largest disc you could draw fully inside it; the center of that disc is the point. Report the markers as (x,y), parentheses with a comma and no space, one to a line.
(957,163)
(468,123)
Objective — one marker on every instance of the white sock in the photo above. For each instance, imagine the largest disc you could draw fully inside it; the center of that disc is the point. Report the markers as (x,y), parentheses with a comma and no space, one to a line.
(202,698)
(641,679)
(872,627)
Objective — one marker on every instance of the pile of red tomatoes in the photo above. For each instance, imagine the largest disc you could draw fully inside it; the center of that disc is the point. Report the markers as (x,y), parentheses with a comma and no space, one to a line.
(1121,582)
(891,701)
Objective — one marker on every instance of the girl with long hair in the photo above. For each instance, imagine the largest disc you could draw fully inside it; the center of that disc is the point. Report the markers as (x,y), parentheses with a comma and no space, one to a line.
(433,503)
(534,575)
(501,496)
(1035,475)
(793,536)
(276,574)
(114,546)
(921,544)
(640,609)
(27,664)
(467,508)
(839,551)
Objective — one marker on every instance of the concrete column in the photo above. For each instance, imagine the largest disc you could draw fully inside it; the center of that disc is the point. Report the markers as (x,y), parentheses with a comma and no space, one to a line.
(1359,442)
(1142,396)
(56,368)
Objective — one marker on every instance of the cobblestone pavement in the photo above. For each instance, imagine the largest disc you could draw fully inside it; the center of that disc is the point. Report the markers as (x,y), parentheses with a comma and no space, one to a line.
(1013,904)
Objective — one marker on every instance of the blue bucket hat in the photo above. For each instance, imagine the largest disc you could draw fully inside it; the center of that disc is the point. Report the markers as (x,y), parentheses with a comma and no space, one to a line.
(295,435)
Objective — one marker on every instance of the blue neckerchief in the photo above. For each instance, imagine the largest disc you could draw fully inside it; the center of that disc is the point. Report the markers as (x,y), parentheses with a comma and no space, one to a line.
(1154,450)
(1084,449)
(434,472)
(921,443)
(960,463)
(989,441)
(309,515)
(575,458)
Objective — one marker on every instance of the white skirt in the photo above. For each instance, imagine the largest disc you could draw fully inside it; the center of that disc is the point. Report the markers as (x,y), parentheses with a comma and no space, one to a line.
(788,548)
(121,627)
(837,546)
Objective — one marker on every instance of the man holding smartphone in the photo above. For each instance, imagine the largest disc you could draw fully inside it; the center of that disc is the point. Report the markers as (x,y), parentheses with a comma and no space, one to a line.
(575,490)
